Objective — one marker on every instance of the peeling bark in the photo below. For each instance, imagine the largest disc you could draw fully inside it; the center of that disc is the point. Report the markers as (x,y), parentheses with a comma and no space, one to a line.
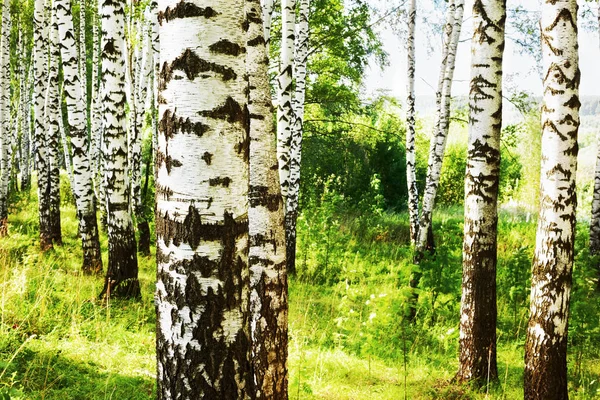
(546,343)
(477,355)
(202,297)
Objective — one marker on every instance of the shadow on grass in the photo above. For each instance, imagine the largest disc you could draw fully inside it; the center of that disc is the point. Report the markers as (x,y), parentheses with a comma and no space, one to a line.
(50,375)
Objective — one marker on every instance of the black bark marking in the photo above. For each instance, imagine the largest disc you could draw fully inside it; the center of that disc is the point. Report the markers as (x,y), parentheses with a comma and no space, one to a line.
(220,181)
(192,66)
(227,47)
(231,111)
(207,157)
(185,10)
(170,124)
(262,196)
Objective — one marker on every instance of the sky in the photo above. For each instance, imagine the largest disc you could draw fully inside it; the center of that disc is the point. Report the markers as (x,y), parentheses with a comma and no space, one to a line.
(519,70)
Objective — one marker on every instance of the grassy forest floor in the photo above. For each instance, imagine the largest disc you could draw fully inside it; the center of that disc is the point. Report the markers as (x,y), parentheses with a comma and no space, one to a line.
(348,339)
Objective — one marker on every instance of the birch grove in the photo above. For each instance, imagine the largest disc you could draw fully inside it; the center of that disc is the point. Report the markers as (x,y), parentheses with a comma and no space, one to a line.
(546,343)
(478,304)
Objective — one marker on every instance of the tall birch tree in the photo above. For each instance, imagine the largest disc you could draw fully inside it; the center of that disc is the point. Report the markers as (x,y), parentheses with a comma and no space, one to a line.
(24,162)
(477,354)
(83,185)
(268,278)
(546,343)
(5,117)
(51,114)
(40,44)
(122,273)
(411,155)
(202,297)
(595,220)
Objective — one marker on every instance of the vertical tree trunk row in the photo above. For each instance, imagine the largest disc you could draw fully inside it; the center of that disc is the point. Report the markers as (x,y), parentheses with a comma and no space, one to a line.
(122,273)
(203,334)
(411,156)
(268,278)
(83,185)
(546,343)
(24,162)
(477,341)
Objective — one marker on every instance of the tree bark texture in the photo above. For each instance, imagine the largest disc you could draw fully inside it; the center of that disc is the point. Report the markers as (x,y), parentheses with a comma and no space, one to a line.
(546,343)
(595,220)
(52,113)
(24,162)
(285,111)
(268,277)
(267,12)
(202,296)
(477,353)
(411,155)
(122,272)
(291,209)
(5,117)
(83,185)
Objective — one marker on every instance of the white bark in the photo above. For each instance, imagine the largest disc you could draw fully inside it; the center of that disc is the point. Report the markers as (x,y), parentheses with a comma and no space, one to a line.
(438,141)
(411,158)
(24,163)
(285,112)
(546,344)
(595,220)
(83,184)
(267,13)
(122,272)
(268,278)
(5,132)
(201,213)
(82,53)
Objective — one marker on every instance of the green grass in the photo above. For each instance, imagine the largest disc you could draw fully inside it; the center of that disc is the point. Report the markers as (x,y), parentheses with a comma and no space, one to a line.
(348,337)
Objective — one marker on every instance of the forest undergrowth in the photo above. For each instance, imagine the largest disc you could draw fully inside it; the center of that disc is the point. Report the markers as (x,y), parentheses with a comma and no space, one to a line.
(349,338)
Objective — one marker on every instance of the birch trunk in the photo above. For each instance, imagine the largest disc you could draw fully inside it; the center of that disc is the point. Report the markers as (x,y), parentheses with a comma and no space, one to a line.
(438,141)
(285,112)
(411,157)
(40,44)
(64,141)
(122,273)
(477,355)
(267,13)
(5,133)
(83,185)
(291,214)
(546,343)
(203,342)
(96,114)
(52,125)
(268,278)
(82,54)
(24,162)
(595,220)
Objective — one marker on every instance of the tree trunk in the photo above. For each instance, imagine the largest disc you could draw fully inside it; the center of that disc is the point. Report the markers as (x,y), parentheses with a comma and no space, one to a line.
(411,156)
(96,117)
(285,115)
(477,355)
(24,163)
(291,214)
(52,113)
(268,278)
(203,342)
(65,145)
(546,343)
(595,220)
(6,133)
(40,43)
(122,273)
(82,63)
(83,185)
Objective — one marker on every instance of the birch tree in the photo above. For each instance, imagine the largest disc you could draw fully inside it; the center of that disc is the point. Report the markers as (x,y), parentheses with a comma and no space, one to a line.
(202,297)
(51,115)
(285,112)
(122,273)
(295,150)
(24,162)
(268,278)
(5,133)
(40,43)
(595,220)
(546,343)
(411,156)
(477,354)
(267,13)
(83,185)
